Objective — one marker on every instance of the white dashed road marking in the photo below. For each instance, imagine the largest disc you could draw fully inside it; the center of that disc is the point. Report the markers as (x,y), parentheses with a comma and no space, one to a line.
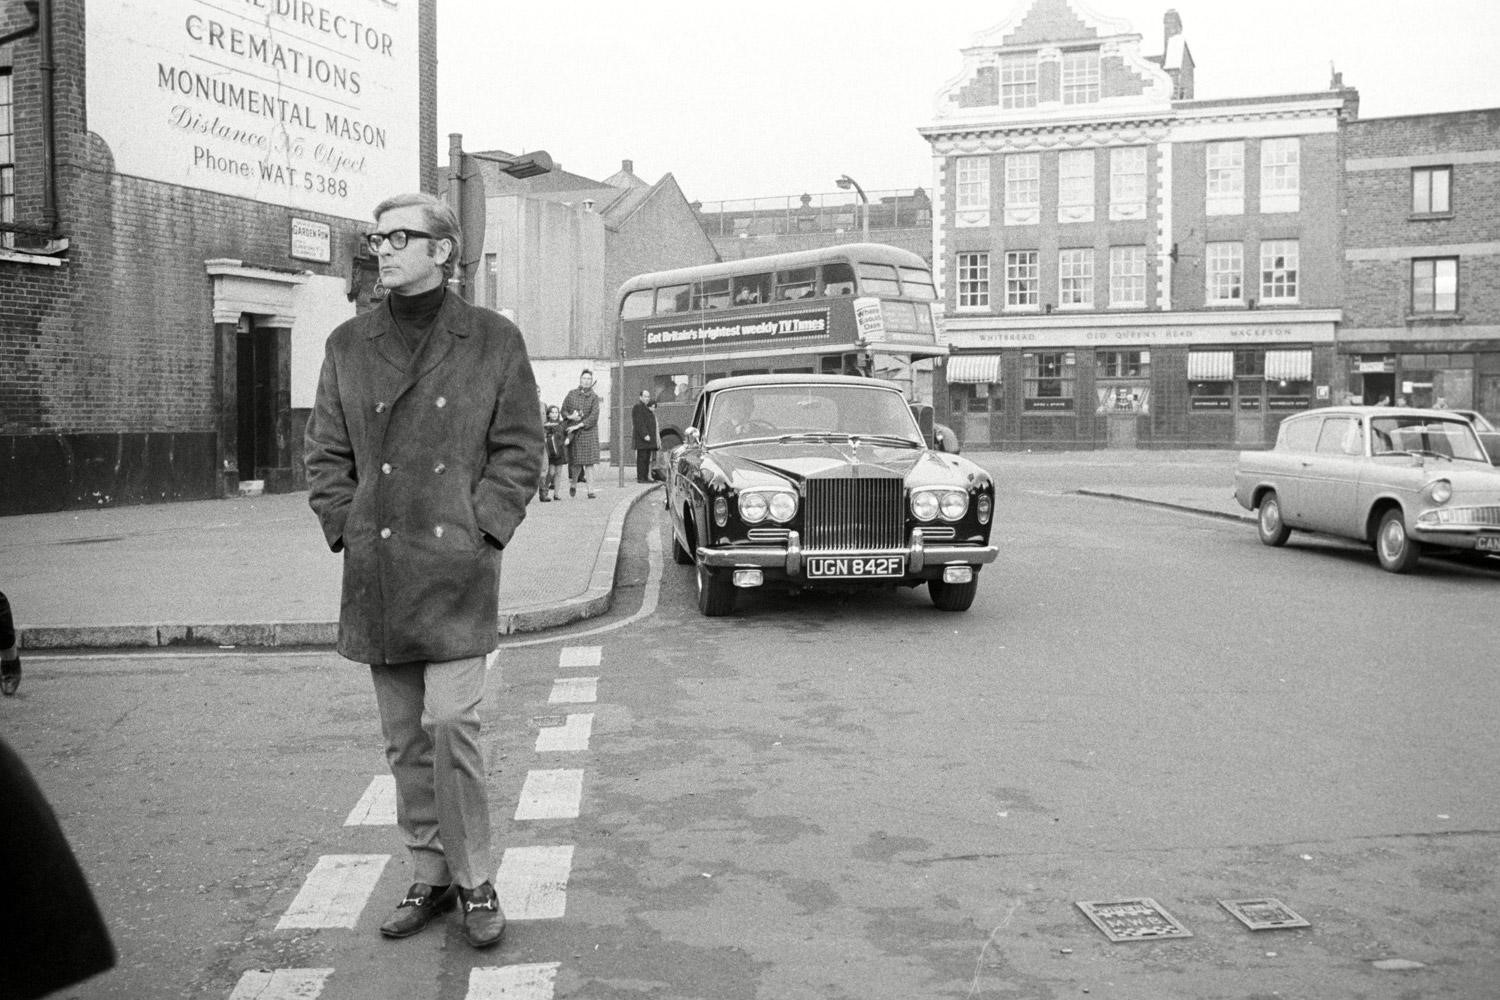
(285,984)
(513,982)
(335,892)
(532,882)
(377,807)
(574,689)
(580,656)
(573,735)
(551,795)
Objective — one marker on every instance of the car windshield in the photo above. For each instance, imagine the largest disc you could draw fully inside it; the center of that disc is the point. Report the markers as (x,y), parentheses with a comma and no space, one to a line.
(777,411)
(1427,435)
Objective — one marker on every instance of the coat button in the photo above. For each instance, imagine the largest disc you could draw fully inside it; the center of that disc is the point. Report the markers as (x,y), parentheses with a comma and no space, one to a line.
(438,531)
(442,401)
(385,532)
(379,407)
(440,468)
(386,468)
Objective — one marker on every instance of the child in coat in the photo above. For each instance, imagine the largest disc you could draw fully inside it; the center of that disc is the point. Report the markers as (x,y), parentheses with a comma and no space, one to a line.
(554,434)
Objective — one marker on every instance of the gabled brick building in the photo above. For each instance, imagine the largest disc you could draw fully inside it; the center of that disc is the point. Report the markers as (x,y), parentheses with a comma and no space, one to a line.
(190,185)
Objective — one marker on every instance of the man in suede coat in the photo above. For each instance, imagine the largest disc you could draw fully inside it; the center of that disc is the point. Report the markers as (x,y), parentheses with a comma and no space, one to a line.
(422,451)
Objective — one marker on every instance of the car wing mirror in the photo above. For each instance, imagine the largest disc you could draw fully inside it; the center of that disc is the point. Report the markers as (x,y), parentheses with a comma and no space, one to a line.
(691,436)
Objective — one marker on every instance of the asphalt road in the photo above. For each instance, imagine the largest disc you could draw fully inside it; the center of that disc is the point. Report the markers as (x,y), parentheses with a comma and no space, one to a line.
(863,798)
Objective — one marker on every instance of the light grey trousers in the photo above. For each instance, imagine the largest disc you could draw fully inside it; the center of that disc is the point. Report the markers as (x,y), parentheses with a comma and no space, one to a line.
(429,713)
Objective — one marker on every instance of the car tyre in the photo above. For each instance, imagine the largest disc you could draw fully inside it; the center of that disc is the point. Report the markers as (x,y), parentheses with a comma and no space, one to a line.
(680,555)
(1269,522)
(715,592)
(1395,549)
(953,596)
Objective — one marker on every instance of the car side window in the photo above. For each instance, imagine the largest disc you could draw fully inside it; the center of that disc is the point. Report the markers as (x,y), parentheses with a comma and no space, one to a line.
(1301,434)
(1333,438)
(1354,440)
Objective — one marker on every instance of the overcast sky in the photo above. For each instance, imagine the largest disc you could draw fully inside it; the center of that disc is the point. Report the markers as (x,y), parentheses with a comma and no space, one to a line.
(739,102)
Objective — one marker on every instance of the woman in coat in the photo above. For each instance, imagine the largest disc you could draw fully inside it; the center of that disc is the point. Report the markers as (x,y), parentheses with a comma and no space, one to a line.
(580,408)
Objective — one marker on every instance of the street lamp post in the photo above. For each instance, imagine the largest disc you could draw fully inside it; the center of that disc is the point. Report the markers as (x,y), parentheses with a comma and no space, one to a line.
(845,183)
(466,195)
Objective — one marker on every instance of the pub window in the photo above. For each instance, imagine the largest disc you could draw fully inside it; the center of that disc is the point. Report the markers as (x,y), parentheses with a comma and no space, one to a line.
(1211,379)
(1018,76)
(1127,277)
(1225,272)
(1278,270)
(973,183)
(1124,364)
(1075,273)
(1023,189)
(973,280)
(1280,175)
(1434,285)
(1049,379)
(1226,178)
(1127,182)
(1431,190)
(1080,77)
(1022,280)
(1075,185)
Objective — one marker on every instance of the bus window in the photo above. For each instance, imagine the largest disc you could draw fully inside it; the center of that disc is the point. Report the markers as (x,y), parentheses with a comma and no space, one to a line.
(671,299)
(840,364)
(878,279)
(798,283)
(838,279)
(917,283)
(711,294)
(750,289)
(637,304)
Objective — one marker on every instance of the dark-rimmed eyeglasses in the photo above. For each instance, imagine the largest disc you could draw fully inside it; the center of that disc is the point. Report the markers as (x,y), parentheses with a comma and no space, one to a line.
(396,237)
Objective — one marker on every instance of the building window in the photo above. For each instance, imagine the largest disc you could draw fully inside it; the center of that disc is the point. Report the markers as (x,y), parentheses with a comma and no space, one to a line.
(1226,273)
(1075,273)
(1127,182)
(1080,77)
(1280,175)
(1127,277)
(1434,285)
(1049,377)
(1022,278)
(972,198)
(1124,364)
(1075,186)
(7,156)
(1018,81)
(492,280)
(1226,178)
(1279,260)
(1431,190)
(1023,189)
(973,280)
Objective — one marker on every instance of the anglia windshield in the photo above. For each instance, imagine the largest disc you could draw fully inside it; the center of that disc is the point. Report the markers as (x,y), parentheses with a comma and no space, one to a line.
(1449,438)
(777,411)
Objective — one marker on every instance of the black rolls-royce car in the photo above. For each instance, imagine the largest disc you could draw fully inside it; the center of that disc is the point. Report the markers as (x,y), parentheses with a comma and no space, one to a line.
(806,481)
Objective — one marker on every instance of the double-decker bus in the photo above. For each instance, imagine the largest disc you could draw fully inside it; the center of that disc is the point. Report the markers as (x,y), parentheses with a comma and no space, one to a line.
(858,308)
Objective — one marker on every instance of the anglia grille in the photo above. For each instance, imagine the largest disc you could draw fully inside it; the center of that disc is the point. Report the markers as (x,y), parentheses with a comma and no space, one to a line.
(854,514)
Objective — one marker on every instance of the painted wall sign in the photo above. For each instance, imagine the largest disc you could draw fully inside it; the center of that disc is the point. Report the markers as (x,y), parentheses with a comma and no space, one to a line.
(310,105)
(312,240)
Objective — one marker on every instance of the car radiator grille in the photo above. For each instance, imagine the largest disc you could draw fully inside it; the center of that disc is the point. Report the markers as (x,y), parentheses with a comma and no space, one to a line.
(854,514)
(1487,517)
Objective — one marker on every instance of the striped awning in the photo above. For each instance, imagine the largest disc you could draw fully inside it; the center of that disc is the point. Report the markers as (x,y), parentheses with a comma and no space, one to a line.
(1288,366)
(1210,366)
(973,368)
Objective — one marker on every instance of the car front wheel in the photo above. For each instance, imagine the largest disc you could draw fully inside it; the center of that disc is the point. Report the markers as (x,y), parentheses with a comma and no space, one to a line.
(715,592)
(953,596)
(1395,549)
(1273,530)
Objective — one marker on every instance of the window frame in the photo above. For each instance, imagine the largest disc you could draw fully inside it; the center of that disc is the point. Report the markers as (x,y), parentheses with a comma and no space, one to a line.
(971,193)
(1075,186)
(1224,177)
(1434,308)
(1023,189)
(1021,285)
(1117,364)
(1291,273)
(1019,81)
(1079,76)
(1215,275)
(1117,276)
(972,290)
(1427,174)
(7,154)
(1060,372)
(1280,175)
(1124,202)
(1075,265)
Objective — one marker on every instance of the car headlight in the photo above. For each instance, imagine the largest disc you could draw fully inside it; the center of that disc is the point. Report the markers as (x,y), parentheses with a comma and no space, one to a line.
(721,511)
(984,506)
(756,505)
(924,505)
(953,505)
(783,506)
(753,507)
(1440,491)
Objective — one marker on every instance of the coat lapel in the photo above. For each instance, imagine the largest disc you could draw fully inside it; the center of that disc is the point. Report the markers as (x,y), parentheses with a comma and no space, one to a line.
(386,338)
(448,328)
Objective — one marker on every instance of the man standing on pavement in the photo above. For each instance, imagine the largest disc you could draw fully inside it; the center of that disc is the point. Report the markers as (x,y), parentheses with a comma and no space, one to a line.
(422,451)
(580,409)
(643,430)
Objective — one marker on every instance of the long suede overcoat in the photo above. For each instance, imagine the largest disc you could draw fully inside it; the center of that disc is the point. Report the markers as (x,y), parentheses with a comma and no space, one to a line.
(411,462)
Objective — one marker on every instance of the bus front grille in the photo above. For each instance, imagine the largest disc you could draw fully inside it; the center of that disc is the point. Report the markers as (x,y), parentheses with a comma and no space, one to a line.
(843,515)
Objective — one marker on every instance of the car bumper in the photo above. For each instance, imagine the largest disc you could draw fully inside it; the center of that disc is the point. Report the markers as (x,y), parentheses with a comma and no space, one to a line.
(1459,527)
(922,556)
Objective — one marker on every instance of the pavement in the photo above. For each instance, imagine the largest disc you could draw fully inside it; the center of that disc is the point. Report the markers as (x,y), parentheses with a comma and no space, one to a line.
(255,571)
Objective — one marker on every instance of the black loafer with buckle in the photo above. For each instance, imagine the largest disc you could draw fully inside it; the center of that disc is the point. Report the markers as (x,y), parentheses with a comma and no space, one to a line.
(422,903)
(10,676)
(484,921)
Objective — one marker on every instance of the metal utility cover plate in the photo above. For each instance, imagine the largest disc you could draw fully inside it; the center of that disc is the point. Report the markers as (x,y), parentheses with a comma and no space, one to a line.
(1138,919)
(1263,914)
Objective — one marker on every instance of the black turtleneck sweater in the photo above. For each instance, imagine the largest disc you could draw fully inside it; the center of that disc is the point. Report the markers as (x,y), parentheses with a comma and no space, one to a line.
(414,315)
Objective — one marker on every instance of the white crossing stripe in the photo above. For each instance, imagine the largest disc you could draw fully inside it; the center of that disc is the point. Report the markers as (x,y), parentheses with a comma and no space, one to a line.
(335,892)
(283,984)
(580,656)
(377,807)
(550,795)
(491,658)
(571,736)
(574,689)
(532,881)
(513,982)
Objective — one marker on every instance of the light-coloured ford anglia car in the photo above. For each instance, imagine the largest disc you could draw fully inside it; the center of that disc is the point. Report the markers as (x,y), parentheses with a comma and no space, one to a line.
(1398,479)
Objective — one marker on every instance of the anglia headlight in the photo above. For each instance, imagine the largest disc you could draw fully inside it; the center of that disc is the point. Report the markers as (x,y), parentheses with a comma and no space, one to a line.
(1440,491)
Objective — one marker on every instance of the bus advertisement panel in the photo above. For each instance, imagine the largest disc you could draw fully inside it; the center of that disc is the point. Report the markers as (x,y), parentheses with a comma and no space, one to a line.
(861,308)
